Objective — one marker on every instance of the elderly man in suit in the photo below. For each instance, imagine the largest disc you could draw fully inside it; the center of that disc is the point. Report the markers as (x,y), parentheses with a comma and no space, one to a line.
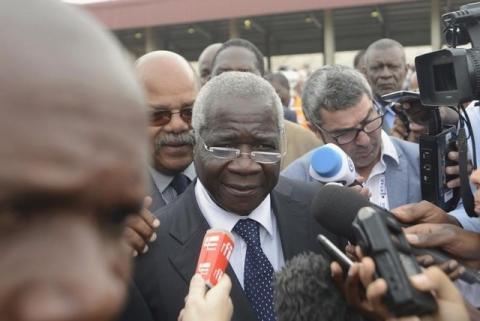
(238,124)
(338,102)
(171,87)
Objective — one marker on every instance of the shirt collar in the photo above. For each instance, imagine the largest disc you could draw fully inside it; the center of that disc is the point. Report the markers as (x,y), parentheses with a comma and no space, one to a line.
(217,217)
(162,181)
(388,149)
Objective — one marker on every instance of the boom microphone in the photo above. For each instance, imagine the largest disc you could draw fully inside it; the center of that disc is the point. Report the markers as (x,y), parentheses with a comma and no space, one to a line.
(335,208)
(217,246)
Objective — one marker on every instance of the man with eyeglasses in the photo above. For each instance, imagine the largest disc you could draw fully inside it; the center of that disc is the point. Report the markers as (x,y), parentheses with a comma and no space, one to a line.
(238,124)
(338,103)
(171,87)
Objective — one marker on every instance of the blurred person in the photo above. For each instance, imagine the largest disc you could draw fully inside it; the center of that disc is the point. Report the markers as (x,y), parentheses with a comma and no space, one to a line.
(282,87)
(296,100)
(242,55)
(237,120)
(205,62)
(359,60)
(171,87)
(385,68)
(389,166)
(72,164)
(305,291)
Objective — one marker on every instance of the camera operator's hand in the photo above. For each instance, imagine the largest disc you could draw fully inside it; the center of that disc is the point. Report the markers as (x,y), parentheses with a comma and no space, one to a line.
(462,245)
(140,229)
(411,134)
(451,305)
(212,305)
(423,212)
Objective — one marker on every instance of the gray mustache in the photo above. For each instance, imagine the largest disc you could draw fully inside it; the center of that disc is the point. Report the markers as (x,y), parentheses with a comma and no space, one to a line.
(187,138)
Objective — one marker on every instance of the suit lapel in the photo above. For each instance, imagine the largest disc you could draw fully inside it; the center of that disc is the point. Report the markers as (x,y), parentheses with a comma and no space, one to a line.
(292,227)
(189,230)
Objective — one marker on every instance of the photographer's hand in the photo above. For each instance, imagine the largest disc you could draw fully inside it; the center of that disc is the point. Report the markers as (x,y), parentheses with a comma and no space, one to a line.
(463,245)
(423,212)
(451,305)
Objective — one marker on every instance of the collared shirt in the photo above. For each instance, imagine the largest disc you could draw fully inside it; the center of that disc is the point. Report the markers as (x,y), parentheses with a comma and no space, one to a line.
(219,218)
(376,182)
(162,182)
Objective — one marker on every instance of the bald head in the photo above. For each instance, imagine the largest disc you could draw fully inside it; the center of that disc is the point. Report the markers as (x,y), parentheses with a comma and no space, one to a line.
(205,61)
(73,152)
(158,69)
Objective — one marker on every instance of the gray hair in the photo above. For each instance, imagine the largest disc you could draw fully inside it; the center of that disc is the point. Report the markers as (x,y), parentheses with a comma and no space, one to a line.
(333,88)
(384,44)
(233,84)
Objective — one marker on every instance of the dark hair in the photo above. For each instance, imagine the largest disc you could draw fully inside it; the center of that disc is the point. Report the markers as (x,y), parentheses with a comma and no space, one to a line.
(304,291)
(280,78)
(239,42)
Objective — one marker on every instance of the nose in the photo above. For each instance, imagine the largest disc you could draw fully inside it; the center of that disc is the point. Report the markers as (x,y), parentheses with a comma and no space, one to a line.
(385,72)
(244,165)
(176,125)
(362,139)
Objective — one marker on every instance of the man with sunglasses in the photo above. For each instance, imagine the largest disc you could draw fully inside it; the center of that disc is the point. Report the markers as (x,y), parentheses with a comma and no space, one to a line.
(338,103)
(171,87)
(238,124)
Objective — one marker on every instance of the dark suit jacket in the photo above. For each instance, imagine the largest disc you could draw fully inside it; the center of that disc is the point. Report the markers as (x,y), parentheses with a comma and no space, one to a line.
(162,275)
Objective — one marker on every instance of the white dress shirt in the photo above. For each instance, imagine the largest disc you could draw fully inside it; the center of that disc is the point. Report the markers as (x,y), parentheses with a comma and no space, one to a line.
(376,180)
(221,219)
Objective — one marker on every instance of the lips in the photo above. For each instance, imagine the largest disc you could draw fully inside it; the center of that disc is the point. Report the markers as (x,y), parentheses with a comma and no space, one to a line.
(241,190)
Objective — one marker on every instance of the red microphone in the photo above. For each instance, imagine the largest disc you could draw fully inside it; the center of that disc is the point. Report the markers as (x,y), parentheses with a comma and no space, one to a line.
(217,246)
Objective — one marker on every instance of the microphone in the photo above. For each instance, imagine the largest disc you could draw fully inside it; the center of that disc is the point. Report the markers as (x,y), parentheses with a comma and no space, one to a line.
(217,246)
(335,208)
(329,163)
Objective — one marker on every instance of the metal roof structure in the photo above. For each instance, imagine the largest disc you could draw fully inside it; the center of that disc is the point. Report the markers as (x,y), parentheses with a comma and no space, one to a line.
(277,27)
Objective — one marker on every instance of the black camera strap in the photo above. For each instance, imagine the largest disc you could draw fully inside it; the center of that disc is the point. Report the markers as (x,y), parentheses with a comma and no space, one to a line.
(465,190)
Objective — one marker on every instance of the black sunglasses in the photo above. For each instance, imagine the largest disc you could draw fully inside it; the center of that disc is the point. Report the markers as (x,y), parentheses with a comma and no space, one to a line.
(161,117)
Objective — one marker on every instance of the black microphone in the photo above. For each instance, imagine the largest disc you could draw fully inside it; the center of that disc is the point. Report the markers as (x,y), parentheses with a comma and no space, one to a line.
(335,207)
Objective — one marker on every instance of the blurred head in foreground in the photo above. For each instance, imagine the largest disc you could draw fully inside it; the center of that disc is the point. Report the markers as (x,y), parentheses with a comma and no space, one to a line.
(74,146)
(304,291)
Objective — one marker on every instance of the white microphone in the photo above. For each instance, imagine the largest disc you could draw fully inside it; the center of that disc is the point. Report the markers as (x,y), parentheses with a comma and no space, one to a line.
(329,163)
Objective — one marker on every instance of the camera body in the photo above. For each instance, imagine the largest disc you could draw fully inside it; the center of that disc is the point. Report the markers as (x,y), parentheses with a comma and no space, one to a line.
(450,77)
(382,238)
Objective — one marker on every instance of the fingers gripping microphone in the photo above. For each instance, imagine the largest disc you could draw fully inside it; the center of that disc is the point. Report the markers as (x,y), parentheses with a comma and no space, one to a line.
(336,207)
(217,246)
(329,163)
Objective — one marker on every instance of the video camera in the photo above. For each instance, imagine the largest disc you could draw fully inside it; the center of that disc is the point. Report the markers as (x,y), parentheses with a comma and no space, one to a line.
(450,77)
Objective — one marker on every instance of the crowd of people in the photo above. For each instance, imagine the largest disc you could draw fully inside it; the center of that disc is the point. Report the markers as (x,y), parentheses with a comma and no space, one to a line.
(113,172)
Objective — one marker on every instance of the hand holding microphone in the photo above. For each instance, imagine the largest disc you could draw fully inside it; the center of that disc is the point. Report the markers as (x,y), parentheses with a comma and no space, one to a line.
(209,294)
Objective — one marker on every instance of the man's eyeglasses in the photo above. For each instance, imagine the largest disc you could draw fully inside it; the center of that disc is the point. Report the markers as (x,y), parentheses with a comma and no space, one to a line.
(233,153)
(161,117)
(349,135)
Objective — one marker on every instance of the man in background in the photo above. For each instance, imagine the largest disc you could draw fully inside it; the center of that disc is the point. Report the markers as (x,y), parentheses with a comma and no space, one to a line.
(171,87)
(205,62)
